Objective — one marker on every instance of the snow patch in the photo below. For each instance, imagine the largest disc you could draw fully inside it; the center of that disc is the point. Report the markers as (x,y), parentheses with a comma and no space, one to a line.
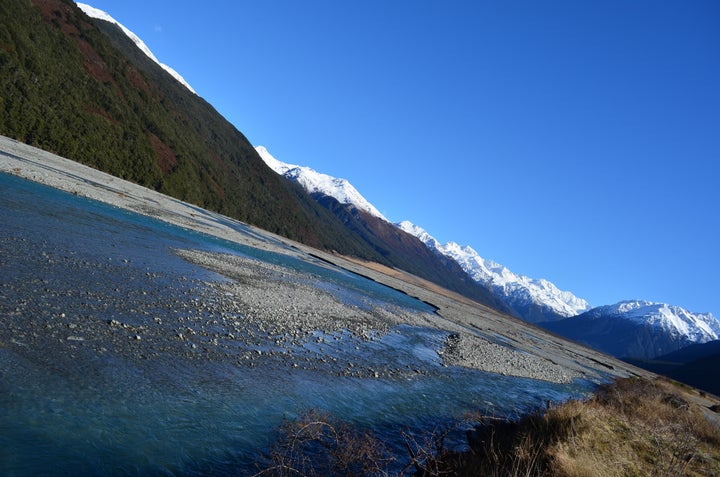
(316,182)
(512,288)
(93,12)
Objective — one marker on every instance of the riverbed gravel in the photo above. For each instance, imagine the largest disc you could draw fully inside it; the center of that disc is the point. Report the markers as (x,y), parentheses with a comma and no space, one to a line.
(286,306)
(250,311)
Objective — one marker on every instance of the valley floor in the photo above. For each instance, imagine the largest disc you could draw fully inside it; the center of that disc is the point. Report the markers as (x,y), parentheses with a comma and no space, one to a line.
(482,338)
(197,345)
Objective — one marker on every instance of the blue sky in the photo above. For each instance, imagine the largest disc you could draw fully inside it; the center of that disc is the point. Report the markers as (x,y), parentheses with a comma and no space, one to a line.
(577,141)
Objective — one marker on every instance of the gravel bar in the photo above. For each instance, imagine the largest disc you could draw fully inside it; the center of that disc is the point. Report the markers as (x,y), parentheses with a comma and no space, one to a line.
(264,311)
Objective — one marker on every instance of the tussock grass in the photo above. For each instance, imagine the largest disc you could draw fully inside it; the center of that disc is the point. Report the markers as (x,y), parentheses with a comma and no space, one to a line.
(632,427)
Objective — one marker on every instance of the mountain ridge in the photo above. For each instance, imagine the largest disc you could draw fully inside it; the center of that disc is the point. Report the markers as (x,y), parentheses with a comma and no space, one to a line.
(317,182)
(647,328)
(638,329)
(363,219)
(698,327)
(93,12)
(533,300)
(653,327)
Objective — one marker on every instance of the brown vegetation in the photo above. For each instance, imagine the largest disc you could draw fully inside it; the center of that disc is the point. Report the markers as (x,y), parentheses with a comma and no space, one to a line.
(166,158)
(316,444)
(63,15)
(632,427)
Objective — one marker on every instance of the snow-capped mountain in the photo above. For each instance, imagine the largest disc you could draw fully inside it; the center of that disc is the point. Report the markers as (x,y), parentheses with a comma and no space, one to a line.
(696,327)
(316,182)
(638,329)
(93,12)
(531,299)
(632,328)
(340,198)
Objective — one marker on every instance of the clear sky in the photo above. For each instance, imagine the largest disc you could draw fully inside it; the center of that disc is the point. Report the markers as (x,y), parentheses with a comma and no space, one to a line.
(577,141)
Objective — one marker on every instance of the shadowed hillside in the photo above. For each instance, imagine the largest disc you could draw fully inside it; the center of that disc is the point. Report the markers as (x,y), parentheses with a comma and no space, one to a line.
(408,253)
(696,365)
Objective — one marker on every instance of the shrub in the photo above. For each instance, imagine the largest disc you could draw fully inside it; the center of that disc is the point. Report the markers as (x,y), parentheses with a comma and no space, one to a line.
(317,444)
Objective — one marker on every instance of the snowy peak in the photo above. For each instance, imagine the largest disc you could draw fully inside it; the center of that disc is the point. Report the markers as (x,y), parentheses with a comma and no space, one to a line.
(638,329)
(420,233)
(316,182)
(524,295)
(93,12)
(277,166)
(696,327)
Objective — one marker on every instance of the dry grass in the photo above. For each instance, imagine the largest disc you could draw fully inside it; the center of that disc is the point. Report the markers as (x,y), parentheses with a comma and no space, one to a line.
(632,427)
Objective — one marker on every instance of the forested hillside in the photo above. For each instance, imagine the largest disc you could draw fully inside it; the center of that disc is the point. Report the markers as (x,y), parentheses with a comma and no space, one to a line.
(80,88)
(67,88)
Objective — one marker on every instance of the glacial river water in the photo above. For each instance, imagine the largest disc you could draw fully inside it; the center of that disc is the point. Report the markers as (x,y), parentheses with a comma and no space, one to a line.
(80,396)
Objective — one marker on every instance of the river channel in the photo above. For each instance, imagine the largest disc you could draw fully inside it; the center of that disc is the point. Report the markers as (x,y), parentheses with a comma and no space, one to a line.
(118,356)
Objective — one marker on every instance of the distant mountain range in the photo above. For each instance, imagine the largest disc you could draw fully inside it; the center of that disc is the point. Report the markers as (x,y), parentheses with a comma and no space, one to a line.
(533,300)
(636,329)
(317,183)
(78,83)
(526,298)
